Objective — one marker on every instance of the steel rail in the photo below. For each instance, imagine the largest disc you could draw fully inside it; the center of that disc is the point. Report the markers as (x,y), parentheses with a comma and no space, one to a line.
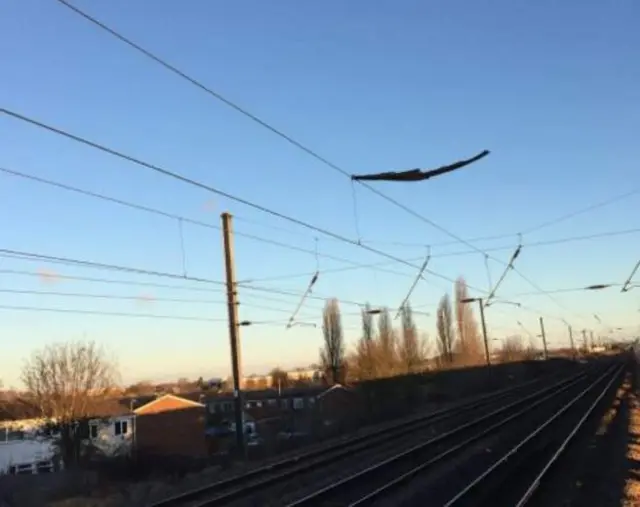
(243,484)
(338,488)
(465,494)
(528,494)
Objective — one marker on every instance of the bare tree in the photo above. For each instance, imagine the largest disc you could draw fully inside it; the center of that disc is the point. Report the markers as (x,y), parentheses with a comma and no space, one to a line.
(512,349)
(67,382)
(364,360)
(469,340)
(411,349)
(279,379)
(446,334)
(332,355)
(386,350)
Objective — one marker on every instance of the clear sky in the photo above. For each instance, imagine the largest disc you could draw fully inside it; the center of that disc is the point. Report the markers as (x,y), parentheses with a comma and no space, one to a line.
(551,88)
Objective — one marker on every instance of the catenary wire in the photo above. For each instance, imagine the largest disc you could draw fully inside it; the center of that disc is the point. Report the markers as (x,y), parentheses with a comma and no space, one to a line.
(98,265)
(261,291)
(144,299)
(181,219)
(354,264)
(319,230)
(203,186)
(560,291)
(587,209)
(107,314)
(270,290)
(534,244)
(292,141)
(55,276)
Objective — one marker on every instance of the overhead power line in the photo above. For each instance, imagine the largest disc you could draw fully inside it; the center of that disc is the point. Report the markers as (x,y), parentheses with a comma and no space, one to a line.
(143,298)
(107,314)
(530,245)
(224,194)
(218,96)
(98,265)
(573,214)
(55,276)
(353,264)
(140,298)
(182,219)
(587,288)
(261,293)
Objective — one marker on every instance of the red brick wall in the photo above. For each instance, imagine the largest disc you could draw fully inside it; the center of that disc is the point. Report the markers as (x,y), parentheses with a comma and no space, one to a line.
(172,433)
(339,405)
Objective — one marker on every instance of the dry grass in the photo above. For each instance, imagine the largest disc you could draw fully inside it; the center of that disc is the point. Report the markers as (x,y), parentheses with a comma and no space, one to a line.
(632,484)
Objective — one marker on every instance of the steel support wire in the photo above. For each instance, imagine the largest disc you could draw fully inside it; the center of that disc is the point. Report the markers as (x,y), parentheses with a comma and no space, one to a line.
(413,285)
(467,494)
(509,267)
(338,488)
(313,281)
(627,284)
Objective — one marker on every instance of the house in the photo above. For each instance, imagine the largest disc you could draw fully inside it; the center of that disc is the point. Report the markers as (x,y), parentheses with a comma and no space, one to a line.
(291,409)
(23,447)
(112,435)
(190,425)
(171,425)
(264,403)
(116,428)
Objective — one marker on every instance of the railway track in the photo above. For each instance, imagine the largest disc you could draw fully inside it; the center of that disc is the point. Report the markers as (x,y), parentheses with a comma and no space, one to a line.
(276,480)
(522,464)
(438,459)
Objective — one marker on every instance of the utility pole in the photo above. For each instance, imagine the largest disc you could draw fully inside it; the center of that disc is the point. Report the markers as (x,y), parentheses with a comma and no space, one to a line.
(232,308)
(584,340)
(484,332)
(481,304)
(591,339)
(573,350)
(544,339)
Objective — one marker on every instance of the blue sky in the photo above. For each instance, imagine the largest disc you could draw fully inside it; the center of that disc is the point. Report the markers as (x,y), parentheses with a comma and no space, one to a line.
(550,88)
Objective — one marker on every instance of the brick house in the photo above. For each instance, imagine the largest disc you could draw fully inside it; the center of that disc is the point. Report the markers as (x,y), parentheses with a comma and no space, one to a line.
(171,425)
(291,409)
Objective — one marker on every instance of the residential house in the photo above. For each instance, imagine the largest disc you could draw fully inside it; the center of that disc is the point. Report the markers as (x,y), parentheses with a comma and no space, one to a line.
(291,409)
(190,425)
(23,447)
(173,426)
(118,424)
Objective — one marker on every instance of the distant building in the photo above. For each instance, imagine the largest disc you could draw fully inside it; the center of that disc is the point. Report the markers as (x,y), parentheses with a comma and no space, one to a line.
(309,376)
